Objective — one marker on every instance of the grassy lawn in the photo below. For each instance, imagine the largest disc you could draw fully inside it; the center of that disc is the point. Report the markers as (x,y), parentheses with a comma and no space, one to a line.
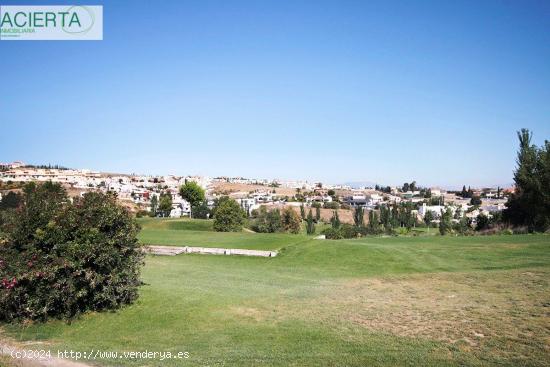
(430,301)
(197,232)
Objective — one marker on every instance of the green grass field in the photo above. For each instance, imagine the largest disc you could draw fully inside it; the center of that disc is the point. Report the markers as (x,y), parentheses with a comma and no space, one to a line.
(427,301)
(186,232)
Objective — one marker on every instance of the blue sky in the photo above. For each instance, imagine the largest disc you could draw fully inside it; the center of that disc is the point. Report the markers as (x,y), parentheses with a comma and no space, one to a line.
(336,91)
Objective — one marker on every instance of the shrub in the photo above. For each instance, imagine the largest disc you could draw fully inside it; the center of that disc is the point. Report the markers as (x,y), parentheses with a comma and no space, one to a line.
(266,221)
(200,211)
(291,221)
(61,259)
(331,205)
(332,234)
(143,213)
(229,216)
(349,231)
(346,231)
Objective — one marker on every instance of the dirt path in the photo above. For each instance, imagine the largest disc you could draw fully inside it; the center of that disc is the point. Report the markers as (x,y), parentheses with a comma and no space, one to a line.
(12,355)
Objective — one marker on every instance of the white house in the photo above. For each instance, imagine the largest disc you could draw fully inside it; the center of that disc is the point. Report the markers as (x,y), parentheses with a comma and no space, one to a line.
(248,204)
(436,209)
(180,208)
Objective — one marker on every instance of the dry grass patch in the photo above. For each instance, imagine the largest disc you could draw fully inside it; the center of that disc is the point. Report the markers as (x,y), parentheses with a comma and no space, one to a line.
(499,316)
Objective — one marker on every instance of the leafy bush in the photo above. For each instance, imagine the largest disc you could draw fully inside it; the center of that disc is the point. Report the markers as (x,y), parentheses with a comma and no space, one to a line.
(200,211)
(291,221)
(61,258)
(229,216)
(143,213)
(349,231)
(333,234)
(265,221)
(331,205)
(345,230)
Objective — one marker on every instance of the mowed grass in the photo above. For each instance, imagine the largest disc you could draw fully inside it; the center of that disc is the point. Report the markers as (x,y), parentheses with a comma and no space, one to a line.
(197,232)
(427,301)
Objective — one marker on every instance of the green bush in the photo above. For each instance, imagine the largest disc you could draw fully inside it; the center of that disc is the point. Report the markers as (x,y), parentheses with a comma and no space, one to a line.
(60,258)
(345,230)
(265,221)
(200,211)
(229,216)
(349,231)
(333,234)
(291,221)
(331,205)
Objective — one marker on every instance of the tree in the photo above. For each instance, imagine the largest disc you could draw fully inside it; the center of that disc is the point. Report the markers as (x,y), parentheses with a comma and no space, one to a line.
(165,204)
(475,200)
(291,221)
(318,214)
(358,215)
(445,222)
(331,193)
(154,205)
(274,221)
(201,210)
(265,221)
(463,226)
(229,217)
(335,220)
(428,218)
(374,224)
(193,193)
(529,205)
(482,222)
(63,258)
(11,200)
(310,227)
(405,187)
(217,203)
(303,212)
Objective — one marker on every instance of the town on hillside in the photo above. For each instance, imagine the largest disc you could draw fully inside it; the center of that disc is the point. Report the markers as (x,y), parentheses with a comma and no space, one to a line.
(145,194)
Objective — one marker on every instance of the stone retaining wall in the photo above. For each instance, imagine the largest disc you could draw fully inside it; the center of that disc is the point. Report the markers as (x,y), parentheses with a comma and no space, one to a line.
(172,251)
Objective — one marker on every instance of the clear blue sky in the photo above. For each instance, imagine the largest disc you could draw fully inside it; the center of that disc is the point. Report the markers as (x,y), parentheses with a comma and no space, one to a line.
(336,91)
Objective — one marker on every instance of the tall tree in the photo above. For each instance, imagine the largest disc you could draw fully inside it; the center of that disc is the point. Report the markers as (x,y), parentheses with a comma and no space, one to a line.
(358,216)
(291,221)
(335,220)
(529,205)
(310,228)
(445,222)
(193,193)
(165,204)
(154,205)
(428,218)
(229,217)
